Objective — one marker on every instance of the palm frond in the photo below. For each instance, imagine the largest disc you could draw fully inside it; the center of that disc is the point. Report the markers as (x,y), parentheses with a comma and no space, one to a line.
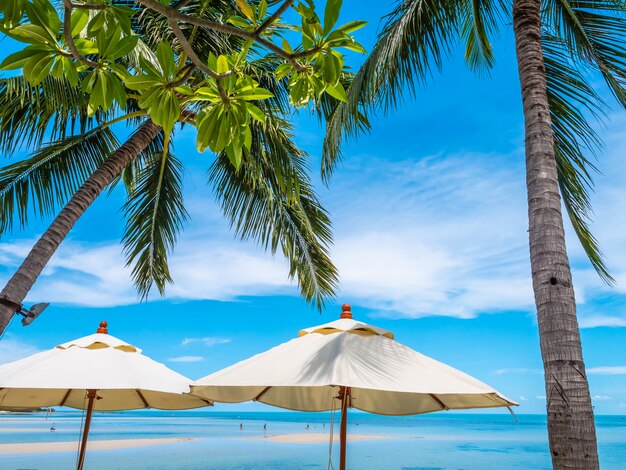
(271,200)
(595,30)
(31,114)
(343,121)
(47,179)
(155,214)
(572,99)
(417,35)
(479,22)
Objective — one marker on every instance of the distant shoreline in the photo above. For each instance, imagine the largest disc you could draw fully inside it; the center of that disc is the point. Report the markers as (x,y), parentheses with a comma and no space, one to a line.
(320,438)
(70,446)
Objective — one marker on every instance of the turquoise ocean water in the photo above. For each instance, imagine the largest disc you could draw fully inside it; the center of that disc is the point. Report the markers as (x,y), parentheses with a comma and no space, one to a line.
(427,442)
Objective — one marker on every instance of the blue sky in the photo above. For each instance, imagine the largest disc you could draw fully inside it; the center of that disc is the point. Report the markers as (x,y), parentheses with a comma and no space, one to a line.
(429,213)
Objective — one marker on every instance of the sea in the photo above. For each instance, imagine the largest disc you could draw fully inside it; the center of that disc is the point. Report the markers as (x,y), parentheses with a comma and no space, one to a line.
(239,440)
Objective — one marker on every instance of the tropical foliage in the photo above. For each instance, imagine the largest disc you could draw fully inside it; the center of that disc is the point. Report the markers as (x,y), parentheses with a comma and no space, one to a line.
(233,71)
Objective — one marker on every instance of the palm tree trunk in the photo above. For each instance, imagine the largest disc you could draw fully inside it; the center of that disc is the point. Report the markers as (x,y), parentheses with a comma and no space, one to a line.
(571,427)
(24,278)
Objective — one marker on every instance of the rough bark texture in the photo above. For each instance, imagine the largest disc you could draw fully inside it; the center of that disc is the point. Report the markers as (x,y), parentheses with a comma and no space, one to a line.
(24,278)
(571,426)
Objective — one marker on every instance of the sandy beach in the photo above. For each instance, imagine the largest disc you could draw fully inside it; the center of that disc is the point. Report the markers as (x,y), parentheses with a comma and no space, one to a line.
(320,438)
(40,447)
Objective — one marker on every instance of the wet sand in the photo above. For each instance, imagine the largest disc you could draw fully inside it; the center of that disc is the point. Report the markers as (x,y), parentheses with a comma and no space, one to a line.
(71,446)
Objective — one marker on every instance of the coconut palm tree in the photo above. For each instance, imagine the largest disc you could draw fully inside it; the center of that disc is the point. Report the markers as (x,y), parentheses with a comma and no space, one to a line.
(265,193)
(559,43)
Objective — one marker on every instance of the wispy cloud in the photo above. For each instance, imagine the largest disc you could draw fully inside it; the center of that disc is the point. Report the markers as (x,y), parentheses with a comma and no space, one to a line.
(206,341)
(186,359)
(522,398)
(12,349)
(601,320)
(607,370)
(430,236)
(540,397)
(441,235)
(433,236)
(96,276)
(601,397)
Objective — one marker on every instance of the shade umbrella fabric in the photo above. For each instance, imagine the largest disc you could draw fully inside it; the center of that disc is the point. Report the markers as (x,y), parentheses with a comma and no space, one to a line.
(98,372)
(348,364)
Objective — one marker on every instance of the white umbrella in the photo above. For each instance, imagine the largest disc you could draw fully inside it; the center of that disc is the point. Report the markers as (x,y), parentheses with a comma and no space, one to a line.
(348,364)
(98,372)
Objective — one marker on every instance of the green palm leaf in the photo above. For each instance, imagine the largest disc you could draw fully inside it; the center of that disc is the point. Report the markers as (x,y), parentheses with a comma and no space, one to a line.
(48,178)
(271,200)
(569,94)
(595,30)
(29,114)
(416,36)
(479,22)
(154,215)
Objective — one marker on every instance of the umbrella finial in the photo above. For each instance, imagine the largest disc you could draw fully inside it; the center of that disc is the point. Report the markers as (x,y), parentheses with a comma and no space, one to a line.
(103,328)
(346,311)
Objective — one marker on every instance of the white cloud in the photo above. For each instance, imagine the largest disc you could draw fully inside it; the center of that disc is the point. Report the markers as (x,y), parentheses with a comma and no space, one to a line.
(540,397)
(607,370)
(434,236)
(186,359)
(517,370)
(96,276)
(600,320)
(600,397)
(522,398)
(431,236)
(442,235)
(12,349)
(206,341)
(79,273)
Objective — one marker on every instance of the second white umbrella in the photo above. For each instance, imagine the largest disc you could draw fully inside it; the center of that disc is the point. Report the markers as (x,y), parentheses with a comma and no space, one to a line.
(348,364)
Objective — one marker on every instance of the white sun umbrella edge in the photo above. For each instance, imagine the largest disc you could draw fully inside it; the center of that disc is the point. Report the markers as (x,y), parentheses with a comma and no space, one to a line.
(63,375)
(284,367)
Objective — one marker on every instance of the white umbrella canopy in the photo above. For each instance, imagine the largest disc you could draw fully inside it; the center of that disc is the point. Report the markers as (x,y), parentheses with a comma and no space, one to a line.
(385,376)
(348,364)
(98,373)
(124,378)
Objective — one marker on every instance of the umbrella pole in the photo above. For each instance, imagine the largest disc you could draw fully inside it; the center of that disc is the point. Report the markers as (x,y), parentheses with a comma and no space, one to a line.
(91,396)
(344,394)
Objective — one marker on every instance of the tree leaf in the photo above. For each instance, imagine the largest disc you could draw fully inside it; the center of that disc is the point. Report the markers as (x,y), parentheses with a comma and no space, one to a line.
(351,26)
(165,56)
(331,14)
(79,19)
(255,112)
(255,94)
(245,9)
(31,34)
(18,59)
(221,65)
(38,67)
(337,91)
